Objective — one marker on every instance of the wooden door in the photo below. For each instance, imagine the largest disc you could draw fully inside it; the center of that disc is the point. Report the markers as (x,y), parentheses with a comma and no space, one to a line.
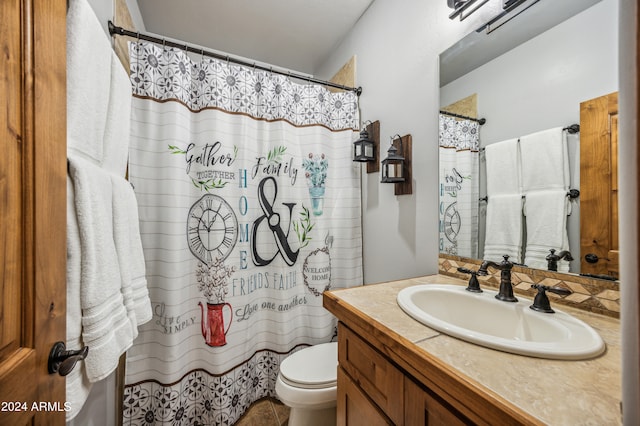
(32,209)
(599,186)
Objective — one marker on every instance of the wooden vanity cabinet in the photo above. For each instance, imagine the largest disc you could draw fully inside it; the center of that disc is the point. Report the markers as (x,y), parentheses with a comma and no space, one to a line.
(372,390)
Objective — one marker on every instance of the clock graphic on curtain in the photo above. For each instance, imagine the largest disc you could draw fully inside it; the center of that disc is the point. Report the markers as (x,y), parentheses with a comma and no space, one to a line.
(452,222)
(212,228)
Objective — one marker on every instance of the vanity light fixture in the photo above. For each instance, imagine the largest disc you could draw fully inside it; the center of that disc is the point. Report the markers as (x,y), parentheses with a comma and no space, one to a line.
(464,8)
(364,149)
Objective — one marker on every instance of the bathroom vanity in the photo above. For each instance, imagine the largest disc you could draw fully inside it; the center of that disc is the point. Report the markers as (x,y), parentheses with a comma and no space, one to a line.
(394,370)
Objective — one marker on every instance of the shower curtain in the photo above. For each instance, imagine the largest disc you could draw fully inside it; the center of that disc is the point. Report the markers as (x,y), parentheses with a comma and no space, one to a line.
(249,209)
(459,185)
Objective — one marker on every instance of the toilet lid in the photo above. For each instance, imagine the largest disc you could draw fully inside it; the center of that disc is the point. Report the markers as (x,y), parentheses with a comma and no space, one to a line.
(312,367)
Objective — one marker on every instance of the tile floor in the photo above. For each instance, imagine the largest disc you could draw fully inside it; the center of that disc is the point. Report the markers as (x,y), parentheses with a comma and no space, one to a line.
(266,412)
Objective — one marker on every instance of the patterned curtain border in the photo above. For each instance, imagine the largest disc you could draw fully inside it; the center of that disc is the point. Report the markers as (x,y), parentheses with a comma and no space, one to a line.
(458,134)
(168,74)
(202,398)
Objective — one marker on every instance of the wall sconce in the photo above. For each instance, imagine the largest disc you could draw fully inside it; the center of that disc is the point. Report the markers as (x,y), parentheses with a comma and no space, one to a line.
(396,168)
(363,148)
(367,147)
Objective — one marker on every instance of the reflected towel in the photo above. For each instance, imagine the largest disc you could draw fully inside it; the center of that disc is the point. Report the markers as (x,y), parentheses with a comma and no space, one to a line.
(546,223)
(504,228)
(545,160)
(503,168)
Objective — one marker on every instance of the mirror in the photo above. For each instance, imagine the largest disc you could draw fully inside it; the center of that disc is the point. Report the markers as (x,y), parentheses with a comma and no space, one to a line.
(529,75)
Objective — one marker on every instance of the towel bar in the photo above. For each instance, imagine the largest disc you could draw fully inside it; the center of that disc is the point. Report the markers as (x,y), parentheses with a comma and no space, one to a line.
(572,193)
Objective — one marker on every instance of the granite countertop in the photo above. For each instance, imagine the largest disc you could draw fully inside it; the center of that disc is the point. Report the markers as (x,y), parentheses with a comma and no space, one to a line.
(556,392)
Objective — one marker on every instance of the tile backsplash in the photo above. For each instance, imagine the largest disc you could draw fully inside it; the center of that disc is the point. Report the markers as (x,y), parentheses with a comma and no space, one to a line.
(589,294)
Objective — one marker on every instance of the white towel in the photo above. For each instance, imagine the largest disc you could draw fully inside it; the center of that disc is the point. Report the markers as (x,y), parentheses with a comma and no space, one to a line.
(106,329)
(77,384)
(503,168)
(116,136)
(545,160)
(504,228)
(88,81)
(546,221)
(128,245)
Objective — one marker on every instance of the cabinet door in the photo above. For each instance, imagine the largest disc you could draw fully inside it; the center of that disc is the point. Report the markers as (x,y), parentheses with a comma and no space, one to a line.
(423,407)
(378,378)
(354,408)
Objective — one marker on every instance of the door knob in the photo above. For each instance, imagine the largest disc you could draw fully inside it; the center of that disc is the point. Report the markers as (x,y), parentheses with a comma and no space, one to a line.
(591,258)
(62,361)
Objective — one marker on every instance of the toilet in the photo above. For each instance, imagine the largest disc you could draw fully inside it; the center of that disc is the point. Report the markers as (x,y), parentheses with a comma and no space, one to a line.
(307,383)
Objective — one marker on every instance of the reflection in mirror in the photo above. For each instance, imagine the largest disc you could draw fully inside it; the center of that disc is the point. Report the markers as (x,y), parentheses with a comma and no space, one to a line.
(534,86)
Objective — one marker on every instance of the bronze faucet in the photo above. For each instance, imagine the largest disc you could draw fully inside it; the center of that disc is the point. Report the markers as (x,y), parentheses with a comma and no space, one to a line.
(553,258)
(541,302)
(506,290)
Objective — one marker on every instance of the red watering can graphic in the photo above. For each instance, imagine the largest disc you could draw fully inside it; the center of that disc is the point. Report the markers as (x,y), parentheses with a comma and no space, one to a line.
(213,323)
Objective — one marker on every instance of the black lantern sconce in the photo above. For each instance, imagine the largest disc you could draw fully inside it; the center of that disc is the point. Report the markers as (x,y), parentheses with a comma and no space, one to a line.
(364,147)
(367,148)
(393,165)
(396,168)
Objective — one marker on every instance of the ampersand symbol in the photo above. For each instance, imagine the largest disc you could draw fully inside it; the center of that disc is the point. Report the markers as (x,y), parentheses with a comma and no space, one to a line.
(273,220)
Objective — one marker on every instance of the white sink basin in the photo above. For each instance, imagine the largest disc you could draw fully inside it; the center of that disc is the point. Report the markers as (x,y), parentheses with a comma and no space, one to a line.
(511,327)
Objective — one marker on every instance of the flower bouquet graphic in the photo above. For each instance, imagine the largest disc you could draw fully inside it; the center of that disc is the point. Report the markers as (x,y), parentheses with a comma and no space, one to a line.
(316,167)
(213,283)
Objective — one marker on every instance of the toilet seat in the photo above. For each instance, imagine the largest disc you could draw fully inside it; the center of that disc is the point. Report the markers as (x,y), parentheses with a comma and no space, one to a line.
(314,367)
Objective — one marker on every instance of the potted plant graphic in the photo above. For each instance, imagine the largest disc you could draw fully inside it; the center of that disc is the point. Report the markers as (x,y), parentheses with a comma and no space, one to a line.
(213,283)
(315,167)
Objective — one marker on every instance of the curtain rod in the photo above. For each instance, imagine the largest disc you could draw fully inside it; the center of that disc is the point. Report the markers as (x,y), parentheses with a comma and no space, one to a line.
(480,121)
(115,30)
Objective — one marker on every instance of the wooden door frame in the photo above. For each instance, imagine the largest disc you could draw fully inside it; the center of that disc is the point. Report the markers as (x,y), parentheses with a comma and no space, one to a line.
(45,172)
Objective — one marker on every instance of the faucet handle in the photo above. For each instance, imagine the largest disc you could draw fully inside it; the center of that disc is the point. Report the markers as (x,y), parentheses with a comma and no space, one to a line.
(474,285)
(541,301)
